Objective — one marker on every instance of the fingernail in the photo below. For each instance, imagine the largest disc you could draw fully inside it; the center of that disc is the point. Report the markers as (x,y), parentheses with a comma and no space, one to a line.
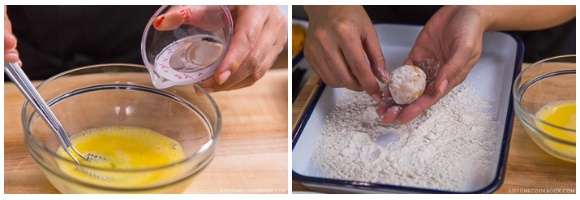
(385,77)
(381,73)
(376,97)
(443,86)
(388,116)
(159,21)
(382,77)
(223,77)
(381,108)
(394,109)
(392,114)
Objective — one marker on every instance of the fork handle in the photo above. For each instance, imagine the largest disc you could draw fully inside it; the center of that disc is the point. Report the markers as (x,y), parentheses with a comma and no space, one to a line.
(15,73)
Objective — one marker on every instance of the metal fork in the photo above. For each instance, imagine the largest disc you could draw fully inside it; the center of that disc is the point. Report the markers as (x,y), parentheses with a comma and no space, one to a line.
(29,91)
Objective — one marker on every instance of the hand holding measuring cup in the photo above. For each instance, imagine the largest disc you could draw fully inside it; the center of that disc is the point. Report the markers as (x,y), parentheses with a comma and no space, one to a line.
(259,36)
(238,58)
(185,44)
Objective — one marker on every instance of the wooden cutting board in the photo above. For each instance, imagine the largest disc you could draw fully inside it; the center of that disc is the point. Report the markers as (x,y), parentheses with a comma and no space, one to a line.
(252,154)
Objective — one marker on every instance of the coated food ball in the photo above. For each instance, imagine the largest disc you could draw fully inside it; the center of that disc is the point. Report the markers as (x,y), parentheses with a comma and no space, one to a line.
(407,84)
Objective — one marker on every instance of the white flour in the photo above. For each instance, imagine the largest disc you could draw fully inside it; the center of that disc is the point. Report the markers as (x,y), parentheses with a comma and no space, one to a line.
(448,147)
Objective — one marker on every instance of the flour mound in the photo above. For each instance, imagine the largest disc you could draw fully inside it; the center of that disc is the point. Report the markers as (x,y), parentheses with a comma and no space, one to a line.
(448,147)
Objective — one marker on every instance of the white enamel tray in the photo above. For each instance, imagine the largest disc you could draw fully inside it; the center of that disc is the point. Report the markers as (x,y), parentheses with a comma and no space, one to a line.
(494,73)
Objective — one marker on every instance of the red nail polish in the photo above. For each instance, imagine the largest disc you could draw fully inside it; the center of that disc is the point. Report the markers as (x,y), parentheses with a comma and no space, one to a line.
(159,21)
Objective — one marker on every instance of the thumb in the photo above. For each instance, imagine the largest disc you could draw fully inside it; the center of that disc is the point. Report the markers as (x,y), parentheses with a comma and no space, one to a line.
(246,33)
(451,73)
(233,58)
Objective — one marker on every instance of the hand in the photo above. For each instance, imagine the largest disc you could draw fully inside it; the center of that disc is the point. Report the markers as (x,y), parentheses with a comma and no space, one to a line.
(337,39)
(10,53)
(260,33)
(453,37)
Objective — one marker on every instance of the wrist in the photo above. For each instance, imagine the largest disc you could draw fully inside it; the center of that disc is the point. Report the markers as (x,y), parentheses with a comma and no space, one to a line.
(486,16)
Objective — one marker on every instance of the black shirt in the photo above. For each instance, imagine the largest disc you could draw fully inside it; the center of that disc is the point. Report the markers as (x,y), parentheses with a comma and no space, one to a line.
(52,39)
(538,44)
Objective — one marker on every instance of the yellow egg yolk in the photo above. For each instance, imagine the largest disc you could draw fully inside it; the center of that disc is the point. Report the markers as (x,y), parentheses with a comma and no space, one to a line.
(298,39)
(560,114)
(123,148)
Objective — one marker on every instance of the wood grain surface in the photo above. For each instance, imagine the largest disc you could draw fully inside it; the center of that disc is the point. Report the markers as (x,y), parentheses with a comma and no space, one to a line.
(252,154)
(529,168)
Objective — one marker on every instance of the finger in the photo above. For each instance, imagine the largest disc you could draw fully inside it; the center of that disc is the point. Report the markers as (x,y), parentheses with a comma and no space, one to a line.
(10,52)
(7,23)
(209,18)
(242,84)
(328,62)
(384,105)
(337,76)
(9,40)
(11,55)
(313,62)
(247,30)
(170,20)
(375,55)
(429,98)
(454,71)
(429,66)
(208,83)
(356,59)
(262,56)
(388,109)
(449,76)
(433,92)
(386,101)
(391,114)
(211,86)
(252,73)
(341,74)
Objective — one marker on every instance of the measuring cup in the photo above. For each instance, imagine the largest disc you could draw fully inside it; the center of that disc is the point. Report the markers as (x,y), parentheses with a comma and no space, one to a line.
(185,44)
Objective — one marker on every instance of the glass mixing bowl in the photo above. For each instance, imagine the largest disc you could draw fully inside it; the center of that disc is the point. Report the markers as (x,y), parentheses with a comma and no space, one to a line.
(540,88)
(122,95)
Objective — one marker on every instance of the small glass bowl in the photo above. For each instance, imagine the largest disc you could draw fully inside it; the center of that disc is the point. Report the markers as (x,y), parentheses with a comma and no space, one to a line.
(542,83)
(122,95)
